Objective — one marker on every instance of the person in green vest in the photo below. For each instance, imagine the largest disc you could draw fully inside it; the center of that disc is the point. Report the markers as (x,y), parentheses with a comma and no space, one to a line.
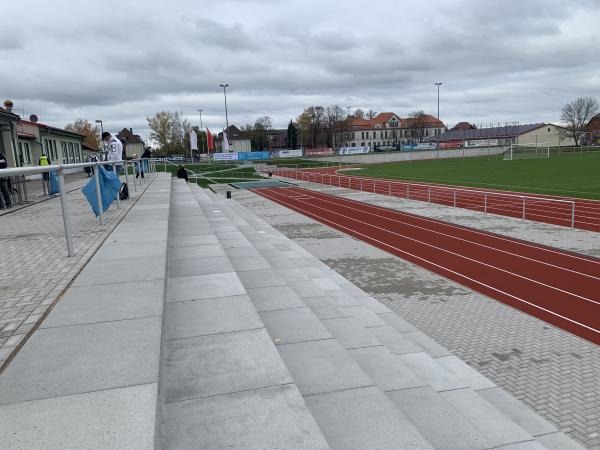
(44,161)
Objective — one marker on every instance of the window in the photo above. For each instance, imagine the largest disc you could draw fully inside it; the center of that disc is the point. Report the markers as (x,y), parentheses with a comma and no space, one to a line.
(362,134)
(367,135)
(65,152)
(23,154)
(385,133)
(362,144)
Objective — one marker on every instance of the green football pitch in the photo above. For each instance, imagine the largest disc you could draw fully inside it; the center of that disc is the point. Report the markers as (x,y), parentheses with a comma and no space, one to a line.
(568,174)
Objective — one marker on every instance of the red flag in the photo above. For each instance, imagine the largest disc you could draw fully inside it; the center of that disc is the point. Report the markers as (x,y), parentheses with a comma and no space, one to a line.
(210,141)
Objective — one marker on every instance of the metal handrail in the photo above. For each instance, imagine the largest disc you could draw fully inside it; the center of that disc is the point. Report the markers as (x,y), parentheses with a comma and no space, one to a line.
(60,168)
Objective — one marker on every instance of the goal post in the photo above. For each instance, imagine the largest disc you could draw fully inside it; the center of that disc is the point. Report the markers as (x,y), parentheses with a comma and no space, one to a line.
(528,151)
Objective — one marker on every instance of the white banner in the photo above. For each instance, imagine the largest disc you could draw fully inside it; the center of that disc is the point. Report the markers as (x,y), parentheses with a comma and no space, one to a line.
(225,156)
(426,145)
(354,150)
(289,153)
(481,142)
(193,140)
(225,142)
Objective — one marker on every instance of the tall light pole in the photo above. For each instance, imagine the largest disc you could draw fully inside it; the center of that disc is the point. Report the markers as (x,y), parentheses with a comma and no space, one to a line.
(438,98)
(225,86)
(202,140)
(102,132)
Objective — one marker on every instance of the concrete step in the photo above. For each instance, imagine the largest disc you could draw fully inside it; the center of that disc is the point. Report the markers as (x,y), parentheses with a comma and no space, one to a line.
(312,304)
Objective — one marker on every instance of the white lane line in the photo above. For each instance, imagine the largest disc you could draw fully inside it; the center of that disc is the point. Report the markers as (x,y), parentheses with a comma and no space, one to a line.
(368,238)
(502,238)
(464,257)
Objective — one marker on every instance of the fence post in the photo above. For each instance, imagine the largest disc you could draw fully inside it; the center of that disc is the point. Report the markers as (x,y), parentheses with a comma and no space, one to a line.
(165,166)
(524,198)
(429,194)
(115,172)
(99,194)
(485,202)
(126,167)
(64,206)
(361,184)
(455,198)
(573,214)
(390,188)
(408,191)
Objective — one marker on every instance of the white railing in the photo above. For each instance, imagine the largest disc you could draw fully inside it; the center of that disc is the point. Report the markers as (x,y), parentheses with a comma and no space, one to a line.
(138,166)
(423,192)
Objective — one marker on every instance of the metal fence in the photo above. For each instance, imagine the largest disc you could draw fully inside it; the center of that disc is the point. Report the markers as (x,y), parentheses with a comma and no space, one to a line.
(136,165)
(536,208)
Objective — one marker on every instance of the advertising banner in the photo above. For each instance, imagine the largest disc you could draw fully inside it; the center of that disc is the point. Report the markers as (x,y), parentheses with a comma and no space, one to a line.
(408,147)
(426,146)
(481,142)
(450,144)
(289,154)
(252,156)
(225,156)
(354,150)
(318,151)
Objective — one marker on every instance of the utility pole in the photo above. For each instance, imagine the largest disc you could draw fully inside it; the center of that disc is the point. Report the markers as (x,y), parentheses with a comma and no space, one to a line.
(225,86)
(438,99)
(202,140)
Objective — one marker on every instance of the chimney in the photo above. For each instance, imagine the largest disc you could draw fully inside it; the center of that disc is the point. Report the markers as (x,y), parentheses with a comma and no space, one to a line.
(131,130)
(8,105)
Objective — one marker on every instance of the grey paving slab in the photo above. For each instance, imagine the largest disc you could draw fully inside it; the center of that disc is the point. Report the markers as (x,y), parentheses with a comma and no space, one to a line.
(121,271)
(193,240)
(322,366)
(144,226)
(373,305)
(397,322)
(326,284)
(342,298)
(185,267)
(220,364)
(241,252)
(395,342)
(83,358)
(292,274)
(558,441)
(114,418)
(139,236)
(465,373)
(270,418)
(365,316)
(430,346)
(204,286)
(387,371)
(287,326)
(363,419)
(495,426)
(250,263)
(260,278)
(529,445)
(275,297)
(427,369)
(350,333)
(113,250)
(517,411)
(195,251)
(306,288)
(437,420)
(190,231)
(211,316)
(109,302)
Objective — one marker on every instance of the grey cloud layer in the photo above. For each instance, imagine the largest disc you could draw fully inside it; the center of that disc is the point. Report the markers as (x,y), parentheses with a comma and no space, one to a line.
(121,61)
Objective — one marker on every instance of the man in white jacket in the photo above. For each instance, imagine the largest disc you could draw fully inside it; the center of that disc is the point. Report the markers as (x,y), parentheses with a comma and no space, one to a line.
(115,149)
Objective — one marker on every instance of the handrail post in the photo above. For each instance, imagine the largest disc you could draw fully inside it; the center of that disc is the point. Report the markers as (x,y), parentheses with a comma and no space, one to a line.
(390,188)
(573,214)
(99,194)
(455,198)
(485,202)
(64,206)
(429,194)
(126,173)
(115,172)
(361,184)
(524,198)
(408,191)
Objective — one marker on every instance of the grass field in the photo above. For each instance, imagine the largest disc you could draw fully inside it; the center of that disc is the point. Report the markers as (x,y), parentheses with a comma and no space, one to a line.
(568,174)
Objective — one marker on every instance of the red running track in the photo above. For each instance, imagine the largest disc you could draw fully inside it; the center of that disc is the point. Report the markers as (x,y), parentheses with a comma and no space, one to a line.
(558,287)
(565,211)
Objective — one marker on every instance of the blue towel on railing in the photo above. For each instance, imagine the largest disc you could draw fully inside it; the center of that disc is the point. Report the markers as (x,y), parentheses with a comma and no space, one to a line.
(53,182)
(109,189)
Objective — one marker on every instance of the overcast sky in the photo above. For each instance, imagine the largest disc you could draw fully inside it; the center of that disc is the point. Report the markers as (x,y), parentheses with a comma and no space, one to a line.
(121,61)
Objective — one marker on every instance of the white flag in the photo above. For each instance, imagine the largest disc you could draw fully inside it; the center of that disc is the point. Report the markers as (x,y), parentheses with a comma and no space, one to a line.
(193,140)
(225,142)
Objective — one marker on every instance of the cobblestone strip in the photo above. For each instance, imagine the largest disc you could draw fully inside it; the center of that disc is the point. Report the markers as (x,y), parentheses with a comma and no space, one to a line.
(34,267)
(555,373)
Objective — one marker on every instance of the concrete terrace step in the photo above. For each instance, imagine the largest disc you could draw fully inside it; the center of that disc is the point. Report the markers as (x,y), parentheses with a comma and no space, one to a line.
(344,350)
(88,377)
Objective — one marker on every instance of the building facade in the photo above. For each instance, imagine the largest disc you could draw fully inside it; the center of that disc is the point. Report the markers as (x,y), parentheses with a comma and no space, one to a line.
(8,135)
(237,139)
(134,143)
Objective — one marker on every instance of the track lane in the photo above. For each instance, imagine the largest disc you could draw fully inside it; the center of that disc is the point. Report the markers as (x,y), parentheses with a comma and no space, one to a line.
(556,294)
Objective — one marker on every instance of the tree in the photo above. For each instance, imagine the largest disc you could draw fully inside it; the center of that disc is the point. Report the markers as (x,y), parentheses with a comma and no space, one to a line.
(416,125)
(371,114)
(170,131)
(335,119)
(292,135)
(359,113)
(91,132)
(577,114)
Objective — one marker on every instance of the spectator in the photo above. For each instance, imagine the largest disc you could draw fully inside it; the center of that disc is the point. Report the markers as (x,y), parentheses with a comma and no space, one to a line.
(145,157)
(182,173)
(45,161)
(5,201)
(115,149)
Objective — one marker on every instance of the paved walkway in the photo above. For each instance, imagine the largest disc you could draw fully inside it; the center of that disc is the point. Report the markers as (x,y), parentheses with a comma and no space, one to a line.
(34,267)
(552,371)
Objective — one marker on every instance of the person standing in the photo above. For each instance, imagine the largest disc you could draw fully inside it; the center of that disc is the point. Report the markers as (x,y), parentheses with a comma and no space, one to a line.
(115,149)
(5,201)
(144,163)
(45,161)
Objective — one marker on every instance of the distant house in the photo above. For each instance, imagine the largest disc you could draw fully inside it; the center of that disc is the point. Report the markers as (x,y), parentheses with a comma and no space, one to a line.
(8,135)
(278,139)
(592,130)
(526,134)
(238,140)
(463,126)
(89,150)
(135,144)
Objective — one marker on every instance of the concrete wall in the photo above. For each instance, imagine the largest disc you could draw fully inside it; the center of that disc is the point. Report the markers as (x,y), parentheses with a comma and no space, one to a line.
(548,133)
(373,158)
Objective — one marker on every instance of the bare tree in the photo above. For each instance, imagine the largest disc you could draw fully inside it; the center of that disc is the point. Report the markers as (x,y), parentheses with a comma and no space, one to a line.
(371,114)
(577,114)
(359,113)
(416,125)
